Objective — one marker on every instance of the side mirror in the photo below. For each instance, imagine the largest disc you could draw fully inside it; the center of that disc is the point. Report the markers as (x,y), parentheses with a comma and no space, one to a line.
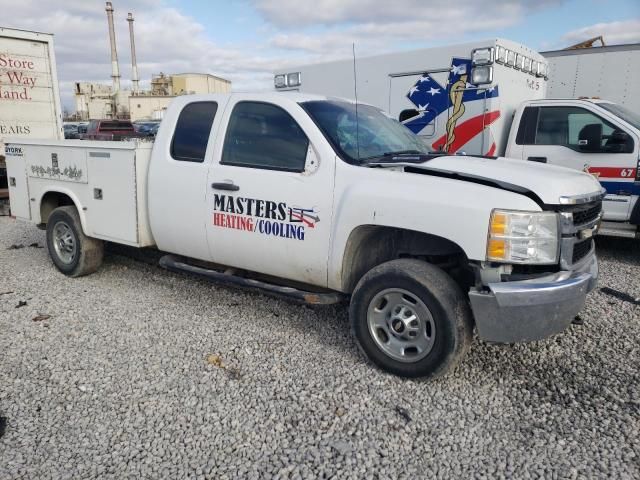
(590,137)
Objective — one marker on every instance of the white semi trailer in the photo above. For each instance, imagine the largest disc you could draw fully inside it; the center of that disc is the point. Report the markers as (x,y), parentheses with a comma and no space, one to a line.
(29,94)
(606,72)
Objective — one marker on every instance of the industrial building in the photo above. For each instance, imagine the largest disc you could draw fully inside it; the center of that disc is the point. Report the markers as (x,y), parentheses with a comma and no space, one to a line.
(151,104)
(98,100)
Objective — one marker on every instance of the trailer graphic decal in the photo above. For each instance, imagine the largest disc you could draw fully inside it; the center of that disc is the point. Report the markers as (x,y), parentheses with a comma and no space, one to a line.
(611,172)
(432,99)
(263,216)
(466,131)
(616,180)
(71,173)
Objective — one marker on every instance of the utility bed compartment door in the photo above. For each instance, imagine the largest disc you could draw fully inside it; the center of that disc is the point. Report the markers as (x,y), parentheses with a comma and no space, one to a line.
(18,184)
(112,205)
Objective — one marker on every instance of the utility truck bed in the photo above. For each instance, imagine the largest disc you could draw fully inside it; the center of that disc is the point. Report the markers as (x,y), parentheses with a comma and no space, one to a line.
(109,180)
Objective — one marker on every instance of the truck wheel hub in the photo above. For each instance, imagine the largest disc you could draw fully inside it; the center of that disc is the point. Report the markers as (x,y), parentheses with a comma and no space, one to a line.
(64,242)
(401,325)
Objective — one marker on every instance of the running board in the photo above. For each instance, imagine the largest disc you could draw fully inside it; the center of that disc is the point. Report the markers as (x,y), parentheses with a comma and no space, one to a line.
(176,264)
(615,229)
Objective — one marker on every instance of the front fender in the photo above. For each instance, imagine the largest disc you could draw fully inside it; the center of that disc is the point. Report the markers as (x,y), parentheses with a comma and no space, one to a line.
(451,209)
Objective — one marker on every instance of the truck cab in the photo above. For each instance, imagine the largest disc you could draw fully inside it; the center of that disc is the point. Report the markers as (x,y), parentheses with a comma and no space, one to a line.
(593,135)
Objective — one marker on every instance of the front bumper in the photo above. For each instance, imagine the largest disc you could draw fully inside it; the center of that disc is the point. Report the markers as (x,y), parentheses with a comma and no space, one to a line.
(528,310)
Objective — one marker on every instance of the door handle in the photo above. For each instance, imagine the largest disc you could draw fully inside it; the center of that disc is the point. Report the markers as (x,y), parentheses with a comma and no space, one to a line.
(225,186)
(537,159)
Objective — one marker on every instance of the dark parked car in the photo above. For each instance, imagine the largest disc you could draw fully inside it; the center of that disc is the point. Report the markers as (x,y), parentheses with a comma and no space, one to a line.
(70,131)
(147,129)
(110,130)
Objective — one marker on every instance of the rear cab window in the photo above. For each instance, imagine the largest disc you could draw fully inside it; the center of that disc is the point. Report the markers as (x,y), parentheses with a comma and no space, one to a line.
(191,135)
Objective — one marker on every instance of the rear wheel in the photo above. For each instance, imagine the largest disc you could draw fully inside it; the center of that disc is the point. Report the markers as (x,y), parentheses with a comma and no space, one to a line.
(71,251)
(411,319)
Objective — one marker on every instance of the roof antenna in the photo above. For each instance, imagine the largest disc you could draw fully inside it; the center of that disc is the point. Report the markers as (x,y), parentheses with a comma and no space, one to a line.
(355,92)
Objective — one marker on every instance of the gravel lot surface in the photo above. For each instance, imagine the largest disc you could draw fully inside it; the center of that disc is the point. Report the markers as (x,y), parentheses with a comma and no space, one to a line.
(142,373)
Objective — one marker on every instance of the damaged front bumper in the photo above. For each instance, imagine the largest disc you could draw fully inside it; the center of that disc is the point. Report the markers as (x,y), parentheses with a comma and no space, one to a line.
(523,311)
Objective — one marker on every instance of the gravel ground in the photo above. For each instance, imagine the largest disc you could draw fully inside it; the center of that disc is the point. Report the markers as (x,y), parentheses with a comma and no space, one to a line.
(142,373)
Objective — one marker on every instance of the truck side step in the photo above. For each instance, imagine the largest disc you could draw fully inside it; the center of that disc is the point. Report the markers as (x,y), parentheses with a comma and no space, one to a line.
(618,229)
(177,264)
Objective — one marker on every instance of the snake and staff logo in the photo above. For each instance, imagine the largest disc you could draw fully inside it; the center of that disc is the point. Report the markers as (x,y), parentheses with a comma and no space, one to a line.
(432,99)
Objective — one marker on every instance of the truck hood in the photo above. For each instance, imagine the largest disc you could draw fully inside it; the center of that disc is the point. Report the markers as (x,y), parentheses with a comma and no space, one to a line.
(549,183)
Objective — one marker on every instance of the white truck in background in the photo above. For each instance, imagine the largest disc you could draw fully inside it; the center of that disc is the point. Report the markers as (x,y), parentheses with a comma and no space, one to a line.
(322,200)
(608,72)
(29,95)
(490,98)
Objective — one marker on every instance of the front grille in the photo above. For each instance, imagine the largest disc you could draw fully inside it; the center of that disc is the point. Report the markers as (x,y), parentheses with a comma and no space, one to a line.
(581,249)
(587,214)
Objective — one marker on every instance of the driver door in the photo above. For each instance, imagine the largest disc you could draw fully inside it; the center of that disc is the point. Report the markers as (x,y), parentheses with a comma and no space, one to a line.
(270,193)
(574,137)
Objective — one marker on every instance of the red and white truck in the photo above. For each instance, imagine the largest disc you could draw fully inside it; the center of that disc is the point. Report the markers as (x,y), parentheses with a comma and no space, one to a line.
(490,98)
(322,200)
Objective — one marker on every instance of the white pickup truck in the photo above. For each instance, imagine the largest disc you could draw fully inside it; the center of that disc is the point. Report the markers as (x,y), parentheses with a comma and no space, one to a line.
(292,195)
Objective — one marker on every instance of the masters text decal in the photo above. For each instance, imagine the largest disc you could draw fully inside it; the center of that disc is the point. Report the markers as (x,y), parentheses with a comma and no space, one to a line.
(263,216)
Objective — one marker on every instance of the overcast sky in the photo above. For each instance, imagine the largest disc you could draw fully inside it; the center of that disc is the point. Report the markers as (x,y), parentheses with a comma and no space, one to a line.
(246,40)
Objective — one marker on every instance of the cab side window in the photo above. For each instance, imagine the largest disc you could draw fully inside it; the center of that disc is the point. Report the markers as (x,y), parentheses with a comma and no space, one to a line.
(579,130)
(191,136)
(261,135)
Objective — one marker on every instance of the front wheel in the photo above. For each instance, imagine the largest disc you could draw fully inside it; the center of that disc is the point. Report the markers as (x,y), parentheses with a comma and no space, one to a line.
(71,251)
(411,319)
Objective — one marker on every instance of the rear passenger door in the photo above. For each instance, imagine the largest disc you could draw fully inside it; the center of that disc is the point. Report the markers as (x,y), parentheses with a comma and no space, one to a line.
(177,187)
(270,194)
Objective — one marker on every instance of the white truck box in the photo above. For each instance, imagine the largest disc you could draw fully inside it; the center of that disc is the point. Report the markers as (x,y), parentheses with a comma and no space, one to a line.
(609,73)
(107,178)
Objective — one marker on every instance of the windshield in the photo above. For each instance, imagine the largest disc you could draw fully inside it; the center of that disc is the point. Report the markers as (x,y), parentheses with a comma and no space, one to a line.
(622,112)
(373,135)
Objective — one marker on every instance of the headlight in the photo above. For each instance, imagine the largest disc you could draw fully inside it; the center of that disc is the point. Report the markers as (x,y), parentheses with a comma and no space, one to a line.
(482,56)
(482,75)
(523,237)
(280,81)
(293,79)
(542,70)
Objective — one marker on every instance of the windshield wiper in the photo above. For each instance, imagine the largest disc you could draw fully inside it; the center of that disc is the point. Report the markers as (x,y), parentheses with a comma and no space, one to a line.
(402,152)
(400,155)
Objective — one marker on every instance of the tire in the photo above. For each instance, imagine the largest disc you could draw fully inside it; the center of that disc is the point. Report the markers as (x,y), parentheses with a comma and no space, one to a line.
(420,311)
(72,252)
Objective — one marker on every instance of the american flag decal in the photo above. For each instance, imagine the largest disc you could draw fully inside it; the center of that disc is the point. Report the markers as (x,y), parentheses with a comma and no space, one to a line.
(432,99)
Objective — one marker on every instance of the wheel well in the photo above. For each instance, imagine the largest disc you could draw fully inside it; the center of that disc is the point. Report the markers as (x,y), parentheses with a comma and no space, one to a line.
(50,202)
(371,245)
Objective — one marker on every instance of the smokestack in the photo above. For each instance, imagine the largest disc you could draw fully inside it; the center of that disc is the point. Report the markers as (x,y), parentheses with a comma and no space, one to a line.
(134,62)
(115,71)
